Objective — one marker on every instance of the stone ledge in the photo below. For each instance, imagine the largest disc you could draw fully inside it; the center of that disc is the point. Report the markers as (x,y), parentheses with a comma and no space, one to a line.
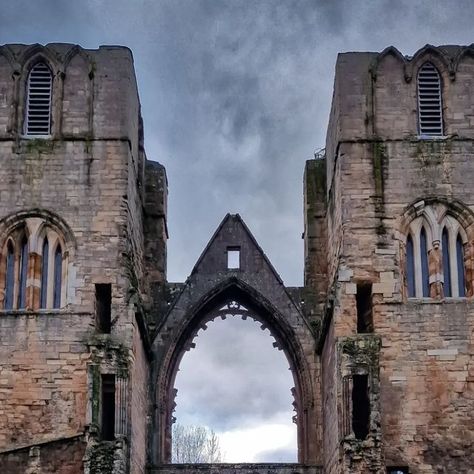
(259,468)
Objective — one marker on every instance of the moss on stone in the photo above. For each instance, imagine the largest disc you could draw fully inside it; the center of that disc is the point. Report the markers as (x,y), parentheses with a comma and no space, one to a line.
(379,154)
(39,145)
(106,344)
(433,152)
(101,458)
(95,395)
(315,179)
(362,349)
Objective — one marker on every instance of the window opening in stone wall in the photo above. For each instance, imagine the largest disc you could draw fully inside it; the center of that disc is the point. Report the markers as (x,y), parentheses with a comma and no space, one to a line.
(438,229)
(23,273)
(430,112)
(34,268)
(9,276)
(236,383)
(38,107)
(108,407)
(103,303)
(397,470)
(364,308)
(360,406)
(446,263)
(460,266)
(410,267)
(58,276)
(425,279)
(44,274)
(233,258)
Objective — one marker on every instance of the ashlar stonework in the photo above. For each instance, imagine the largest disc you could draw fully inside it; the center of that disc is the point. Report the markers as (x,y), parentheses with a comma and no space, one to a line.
(379,339)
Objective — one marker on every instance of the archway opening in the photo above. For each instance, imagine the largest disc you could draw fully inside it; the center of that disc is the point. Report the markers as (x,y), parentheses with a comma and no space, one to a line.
(236,384)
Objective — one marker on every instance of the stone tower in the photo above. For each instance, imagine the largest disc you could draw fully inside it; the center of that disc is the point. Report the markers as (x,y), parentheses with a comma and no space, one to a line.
(82,239)
(389,235)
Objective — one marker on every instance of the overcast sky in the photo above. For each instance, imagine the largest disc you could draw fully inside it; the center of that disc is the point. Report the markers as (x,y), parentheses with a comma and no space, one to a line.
(235,97)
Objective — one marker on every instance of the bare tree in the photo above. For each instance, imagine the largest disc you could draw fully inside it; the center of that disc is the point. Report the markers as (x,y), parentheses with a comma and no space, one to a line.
(195,444)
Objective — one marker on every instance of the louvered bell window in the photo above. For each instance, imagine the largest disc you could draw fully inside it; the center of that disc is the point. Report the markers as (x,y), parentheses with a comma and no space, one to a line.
(429,101)
(38,113)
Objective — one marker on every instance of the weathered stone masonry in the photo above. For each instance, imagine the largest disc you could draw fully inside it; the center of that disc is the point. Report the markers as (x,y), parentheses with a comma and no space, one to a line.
(382,176)
(379,339)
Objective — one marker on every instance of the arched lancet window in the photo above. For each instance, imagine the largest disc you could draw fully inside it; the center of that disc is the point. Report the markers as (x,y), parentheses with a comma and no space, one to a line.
(39,96)
(435,260)
(425,279)
(9,276)
(33,265)
(430,107)
(58,270)
(23,273)
(446,264)
(460,266)
(44,274)
(410,267)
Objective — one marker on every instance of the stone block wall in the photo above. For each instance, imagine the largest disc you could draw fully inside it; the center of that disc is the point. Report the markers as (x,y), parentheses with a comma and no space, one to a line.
(43,383)
(63,456)
(86,180)
(380,176)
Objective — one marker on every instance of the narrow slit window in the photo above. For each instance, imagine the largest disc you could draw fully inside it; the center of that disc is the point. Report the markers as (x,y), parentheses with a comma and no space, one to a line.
(397,470)
(460,266)
(23,274)
(446,264)
(103,304)
(425,279)
(430,111)
(233,258)
(58,276)
(364,308)
(44,274)
(360,406)
(38,107)
(108,407)
(410,257)
(10,276)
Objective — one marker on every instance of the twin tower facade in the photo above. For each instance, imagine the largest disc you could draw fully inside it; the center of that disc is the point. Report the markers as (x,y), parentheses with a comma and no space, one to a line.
(380,339)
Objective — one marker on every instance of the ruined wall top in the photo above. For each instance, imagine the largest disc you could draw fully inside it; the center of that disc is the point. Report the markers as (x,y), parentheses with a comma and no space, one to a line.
(376,96)
(94,91)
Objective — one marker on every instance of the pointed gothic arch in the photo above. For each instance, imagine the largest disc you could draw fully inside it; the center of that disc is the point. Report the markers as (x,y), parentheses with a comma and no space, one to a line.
(209,289)
(205,310)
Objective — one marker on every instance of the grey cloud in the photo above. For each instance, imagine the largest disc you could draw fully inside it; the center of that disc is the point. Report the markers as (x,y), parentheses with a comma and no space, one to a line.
(233,378)
(277,455)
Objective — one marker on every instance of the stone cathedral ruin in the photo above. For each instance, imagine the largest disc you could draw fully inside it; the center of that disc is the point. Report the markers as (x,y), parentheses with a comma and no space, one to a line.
(380,339)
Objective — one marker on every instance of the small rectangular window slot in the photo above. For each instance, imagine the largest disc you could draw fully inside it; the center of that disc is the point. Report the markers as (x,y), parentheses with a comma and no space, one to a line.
(360,406)
(108,407)
(397,470)
(233,258)
(365,322)
(103,303)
